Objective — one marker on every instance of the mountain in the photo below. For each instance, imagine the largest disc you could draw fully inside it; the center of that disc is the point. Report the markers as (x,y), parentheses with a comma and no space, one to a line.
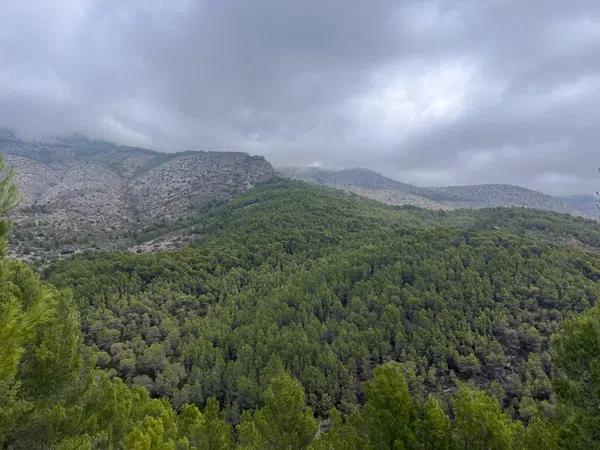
(79,193)
(586,203)
(371,184)
(298,306)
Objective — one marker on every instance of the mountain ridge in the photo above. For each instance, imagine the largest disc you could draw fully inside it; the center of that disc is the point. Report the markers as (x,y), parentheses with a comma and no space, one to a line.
(90,194)
(371,184)
(79,193)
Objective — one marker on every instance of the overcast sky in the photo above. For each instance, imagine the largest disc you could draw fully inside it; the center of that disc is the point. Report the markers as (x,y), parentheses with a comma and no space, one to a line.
(428,92)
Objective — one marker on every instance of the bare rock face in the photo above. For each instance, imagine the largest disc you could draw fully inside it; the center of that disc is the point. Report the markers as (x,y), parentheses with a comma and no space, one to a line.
(80,194)
(193,180)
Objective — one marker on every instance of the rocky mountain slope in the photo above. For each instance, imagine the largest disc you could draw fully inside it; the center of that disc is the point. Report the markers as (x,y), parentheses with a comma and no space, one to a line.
(371,184)
(79,193)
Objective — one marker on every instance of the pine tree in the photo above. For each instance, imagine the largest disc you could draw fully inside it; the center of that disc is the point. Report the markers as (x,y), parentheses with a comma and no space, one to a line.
(285,422)
(390,412)
(576,354)
(480,423)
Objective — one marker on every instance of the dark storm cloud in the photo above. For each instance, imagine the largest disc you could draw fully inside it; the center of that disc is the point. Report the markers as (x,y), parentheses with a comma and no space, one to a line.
(429,92)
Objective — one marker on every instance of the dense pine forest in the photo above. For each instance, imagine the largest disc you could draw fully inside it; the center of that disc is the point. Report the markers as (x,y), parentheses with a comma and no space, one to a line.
(306,318)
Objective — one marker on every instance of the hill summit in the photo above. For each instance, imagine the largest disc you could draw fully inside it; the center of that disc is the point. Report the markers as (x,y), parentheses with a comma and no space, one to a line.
(97,194)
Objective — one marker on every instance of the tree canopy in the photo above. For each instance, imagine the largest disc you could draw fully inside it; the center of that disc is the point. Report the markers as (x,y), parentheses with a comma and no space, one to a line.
(308,318)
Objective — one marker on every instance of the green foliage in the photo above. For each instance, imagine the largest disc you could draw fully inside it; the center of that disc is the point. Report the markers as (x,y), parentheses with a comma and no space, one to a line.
(346,433)
(435,428)
(214,432)
(9,196)
(55,352)
(29,347)
(284,422)
(576,355)
(148,435)
(480,423)
(390,412)
(298,303)
(18,324)
(542,433)
(328,286)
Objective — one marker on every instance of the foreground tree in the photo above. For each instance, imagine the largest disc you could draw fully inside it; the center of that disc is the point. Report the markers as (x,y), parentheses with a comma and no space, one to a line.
(480,423)
(576,354)
(390,413)
(284,422)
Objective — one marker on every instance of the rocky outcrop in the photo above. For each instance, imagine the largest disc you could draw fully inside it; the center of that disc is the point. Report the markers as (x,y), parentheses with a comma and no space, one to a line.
(80,194)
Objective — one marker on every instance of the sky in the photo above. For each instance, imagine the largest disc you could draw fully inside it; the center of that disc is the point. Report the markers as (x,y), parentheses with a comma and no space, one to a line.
(427,92)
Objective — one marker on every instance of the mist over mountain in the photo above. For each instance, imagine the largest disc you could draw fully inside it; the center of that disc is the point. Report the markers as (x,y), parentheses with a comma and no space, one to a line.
(589,204)
(371,184)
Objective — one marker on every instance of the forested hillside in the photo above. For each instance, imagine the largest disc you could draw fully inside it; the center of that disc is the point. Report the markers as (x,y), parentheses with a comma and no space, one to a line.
(304,317)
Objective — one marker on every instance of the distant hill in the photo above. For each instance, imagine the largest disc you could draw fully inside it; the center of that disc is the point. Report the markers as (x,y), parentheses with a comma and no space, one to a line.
(371,184)
(80,193)
(586,203)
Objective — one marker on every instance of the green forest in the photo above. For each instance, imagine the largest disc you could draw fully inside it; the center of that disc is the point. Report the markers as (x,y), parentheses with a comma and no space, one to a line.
(307,318)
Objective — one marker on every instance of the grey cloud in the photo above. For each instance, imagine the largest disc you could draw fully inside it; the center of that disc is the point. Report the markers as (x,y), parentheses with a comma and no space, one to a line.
(431,92)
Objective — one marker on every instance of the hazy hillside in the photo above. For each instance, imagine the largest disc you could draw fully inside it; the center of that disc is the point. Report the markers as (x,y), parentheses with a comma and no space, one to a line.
(80,193)
(586,203)
(373,185)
